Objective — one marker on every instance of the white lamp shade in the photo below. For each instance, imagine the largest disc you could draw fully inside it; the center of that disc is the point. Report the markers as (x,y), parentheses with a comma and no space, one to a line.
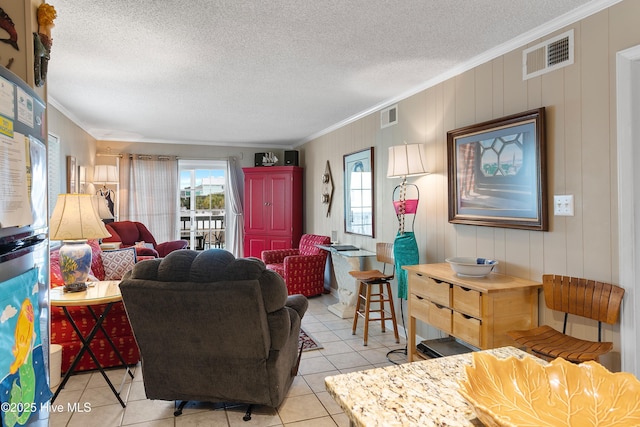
(75,218)
(406,160)
(100,205)
(107,174)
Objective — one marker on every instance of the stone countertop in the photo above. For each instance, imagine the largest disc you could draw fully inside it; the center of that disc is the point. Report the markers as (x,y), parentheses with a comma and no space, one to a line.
(418,393)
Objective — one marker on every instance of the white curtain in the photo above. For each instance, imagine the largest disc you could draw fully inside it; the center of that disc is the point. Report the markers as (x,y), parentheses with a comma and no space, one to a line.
(153,195)
(235,211)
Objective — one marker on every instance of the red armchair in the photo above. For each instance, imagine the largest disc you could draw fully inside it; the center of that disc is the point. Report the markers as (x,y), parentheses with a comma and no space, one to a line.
(302,269)
(130,232)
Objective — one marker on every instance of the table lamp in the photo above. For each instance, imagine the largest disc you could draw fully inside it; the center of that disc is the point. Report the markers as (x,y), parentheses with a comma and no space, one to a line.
(74,220)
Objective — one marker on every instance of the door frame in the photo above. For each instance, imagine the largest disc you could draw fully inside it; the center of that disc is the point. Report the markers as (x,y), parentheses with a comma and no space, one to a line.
(628,106)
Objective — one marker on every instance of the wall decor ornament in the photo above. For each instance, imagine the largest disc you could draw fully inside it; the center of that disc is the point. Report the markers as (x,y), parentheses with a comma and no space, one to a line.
(497,172)
(327,187)
(42,42)
(269,159)
(6,23)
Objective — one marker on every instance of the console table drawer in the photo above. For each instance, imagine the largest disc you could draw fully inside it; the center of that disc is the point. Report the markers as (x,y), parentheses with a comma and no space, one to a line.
(435,290)
(419,307)
(440,317)
(467,301)
(467,328)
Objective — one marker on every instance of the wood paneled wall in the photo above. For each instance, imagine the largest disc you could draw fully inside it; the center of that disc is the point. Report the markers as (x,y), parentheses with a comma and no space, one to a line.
(581,159)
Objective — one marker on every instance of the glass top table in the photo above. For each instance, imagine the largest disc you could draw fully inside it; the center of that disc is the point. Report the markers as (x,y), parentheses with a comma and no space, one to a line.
(343,262)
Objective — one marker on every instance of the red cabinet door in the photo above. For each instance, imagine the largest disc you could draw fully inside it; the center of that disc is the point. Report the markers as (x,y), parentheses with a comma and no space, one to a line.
(279,205)
(255,214)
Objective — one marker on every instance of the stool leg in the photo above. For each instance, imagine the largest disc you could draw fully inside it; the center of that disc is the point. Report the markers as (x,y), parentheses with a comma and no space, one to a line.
(367,308)
(356,314)
(393,313)
(380,295)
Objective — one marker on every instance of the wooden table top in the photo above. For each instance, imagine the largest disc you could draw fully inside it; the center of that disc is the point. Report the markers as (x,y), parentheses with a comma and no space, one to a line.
(96,293)
(493,282)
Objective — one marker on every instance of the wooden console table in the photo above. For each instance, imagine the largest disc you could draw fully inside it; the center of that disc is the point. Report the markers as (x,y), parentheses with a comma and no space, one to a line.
(476,310)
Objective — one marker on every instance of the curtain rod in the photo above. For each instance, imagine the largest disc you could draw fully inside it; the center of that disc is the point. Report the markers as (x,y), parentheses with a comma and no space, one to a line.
(140,156)
(166,157)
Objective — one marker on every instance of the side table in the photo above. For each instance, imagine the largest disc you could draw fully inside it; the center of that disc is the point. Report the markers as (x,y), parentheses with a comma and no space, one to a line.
(105,292)
(344,262)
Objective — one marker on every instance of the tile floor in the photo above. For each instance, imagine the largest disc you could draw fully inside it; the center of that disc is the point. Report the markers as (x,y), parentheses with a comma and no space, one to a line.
(307,403)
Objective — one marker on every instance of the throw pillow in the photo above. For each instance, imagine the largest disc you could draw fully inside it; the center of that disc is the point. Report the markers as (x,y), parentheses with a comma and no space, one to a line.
(144,244)
(118,262)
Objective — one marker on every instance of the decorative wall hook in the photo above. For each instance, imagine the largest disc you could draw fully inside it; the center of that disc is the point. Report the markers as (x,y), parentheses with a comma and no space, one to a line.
(6,23)
(327,187)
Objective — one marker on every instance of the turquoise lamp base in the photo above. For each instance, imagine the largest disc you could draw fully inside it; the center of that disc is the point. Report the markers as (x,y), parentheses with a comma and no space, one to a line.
(75,264)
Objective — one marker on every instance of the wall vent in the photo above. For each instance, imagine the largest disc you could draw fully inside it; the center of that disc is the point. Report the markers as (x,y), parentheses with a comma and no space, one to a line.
(389,116)
(547,56)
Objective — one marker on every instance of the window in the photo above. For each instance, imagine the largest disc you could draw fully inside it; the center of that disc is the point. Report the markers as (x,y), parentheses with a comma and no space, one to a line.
(202,202)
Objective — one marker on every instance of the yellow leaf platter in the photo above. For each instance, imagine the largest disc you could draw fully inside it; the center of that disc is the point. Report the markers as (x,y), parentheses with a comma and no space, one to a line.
(522,392)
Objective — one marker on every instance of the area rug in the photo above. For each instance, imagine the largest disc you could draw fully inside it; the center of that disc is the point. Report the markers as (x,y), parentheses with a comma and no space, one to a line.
(308,342)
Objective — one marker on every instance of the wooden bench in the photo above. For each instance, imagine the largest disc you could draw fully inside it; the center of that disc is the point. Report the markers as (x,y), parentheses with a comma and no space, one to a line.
(581,297)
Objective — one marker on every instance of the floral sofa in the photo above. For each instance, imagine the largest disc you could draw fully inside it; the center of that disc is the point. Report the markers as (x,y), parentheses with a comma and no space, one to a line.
(110,265)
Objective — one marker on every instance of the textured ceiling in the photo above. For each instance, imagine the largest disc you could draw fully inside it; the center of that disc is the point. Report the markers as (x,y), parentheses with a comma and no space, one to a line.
(232,72)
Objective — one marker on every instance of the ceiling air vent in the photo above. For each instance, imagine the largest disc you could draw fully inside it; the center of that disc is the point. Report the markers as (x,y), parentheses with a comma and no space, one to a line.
(549,55)
(389,116)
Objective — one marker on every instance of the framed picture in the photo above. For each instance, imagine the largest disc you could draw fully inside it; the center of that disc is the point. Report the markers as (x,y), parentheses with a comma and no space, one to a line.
(72,175)
(358,193)
(82,179)
(497,172)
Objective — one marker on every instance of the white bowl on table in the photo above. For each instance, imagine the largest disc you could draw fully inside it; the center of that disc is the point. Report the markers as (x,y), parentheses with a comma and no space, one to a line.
(471,267)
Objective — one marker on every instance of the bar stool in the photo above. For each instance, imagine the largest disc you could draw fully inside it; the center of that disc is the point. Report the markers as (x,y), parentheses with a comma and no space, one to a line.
(367,281)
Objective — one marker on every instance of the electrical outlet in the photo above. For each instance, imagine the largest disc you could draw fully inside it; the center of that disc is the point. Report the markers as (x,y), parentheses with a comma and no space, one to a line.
(563,205)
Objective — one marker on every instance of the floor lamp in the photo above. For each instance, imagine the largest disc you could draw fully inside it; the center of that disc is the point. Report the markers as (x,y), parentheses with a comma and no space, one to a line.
(106,174)
(100,205)
(404,161)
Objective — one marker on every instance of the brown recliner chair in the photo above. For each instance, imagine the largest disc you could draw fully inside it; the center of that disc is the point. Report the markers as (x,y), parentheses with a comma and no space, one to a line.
(131,232)
(213,328)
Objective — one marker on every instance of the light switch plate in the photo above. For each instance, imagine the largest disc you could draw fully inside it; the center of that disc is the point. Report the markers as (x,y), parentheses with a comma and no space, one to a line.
(563,205)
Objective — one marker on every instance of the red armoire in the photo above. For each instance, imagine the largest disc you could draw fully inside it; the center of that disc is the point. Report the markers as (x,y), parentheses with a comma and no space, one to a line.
(272,208)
